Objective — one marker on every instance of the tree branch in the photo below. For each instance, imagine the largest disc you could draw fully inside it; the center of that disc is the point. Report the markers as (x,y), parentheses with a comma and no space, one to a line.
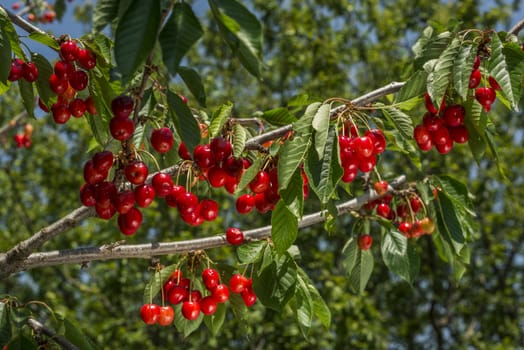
(22,23)
(57,338)
(13,122)
(517,28)
(146,251)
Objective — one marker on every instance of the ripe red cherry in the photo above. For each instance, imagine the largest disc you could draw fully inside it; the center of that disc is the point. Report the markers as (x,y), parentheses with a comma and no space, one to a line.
(459,134)
(208,305)
(57,85)
(183,152)
(474,79)
(426,146)
(30,72)
(103,160)
(363,146)
(86,59)
(63,70)
(105,194)
(421,134)
(144,195)
(440,136)
(454,115)
(122,106)
(166,315)
(429,104)
(245,203)
(77,107)
(87,195)
(78,80)
(125,201)
(69,50)
(17,70)
(485,96)
(234,236)
(350,173)
(177,294)
(476,63)
(150,313)
(220,293)
(195,295)
(249,297)
(93,175)
(61,113)
(42,105)
(171,198)
(105,213)
(136,172)
(234,166)
(190,310)
(493,83)
(383,210)
(381,187)
(379,140)
(187,202)
(416,204)
(260,183)
(217,176)
(238,283)
(365,241)
(405,227)
(162,140)
(431,122)
(367,164)
(130,222)
(162,184)
(121,128)
(210,277)
(445,148)
(221,148)
(203,156)
(208,209)
(90,105)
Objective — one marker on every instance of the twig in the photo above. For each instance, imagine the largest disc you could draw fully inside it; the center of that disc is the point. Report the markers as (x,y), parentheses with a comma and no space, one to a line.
(517,28)
(22,23)
(13,122)
(146,251)
(57,338)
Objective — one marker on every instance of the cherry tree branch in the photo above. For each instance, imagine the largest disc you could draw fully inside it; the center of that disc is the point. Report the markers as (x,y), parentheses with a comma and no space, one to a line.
(13,122)
(57,338)
(148,250)
(517,28)
(22,23)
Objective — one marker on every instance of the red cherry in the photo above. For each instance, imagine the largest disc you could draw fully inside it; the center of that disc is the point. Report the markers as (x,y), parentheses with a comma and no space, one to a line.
(416,204)
(167,287)
(69,50)
(208,209)
(103,161)
(249,297)
(144,195)
(86,59)
(440,136)
(367,164)
(421,134)
(171,198)
(429,104)
(162,140)
(125,201)
(61,113)
(459,134)
(485,96)
(150,313)
(216,176)
(136,172)
(405,228)
(57,85)
(378,138)
(445,148)
(208,305)
(221,148)
(93,175)
(177,294)
(87,195)
(260,183)
(383,210)
(64,70)
(162,184)
(30,72)
(426,146)
(245,203)
(90,105)
(121,128)
(166,315)
(381,187)
(454,115)
(363,146)
(220,293)
(365,241)
(350,173)
(493,83)
(431,122)
(187,202)
(78,80)
(210,277)
(42,105)
(203,156)
(183,152)
(105,213)
(105,194)
(238,283)
(190,310)
(77,107)
(233,166)
(234,236)
(130,222)
(68,94)
(17,70)
(122,106)
(195,295)
(476,63)
(474,79)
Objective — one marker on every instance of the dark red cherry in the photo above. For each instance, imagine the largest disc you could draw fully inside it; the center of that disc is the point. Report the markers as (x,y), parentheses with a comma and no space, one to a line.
(121,128)
(69,50)
(144,195)
(122,106)
(136,172)
(86,59)
(162,140)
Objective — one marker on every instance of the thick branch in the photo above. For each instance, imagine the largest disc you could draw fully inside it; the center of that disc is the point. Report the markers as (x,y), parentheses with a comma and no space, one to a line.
(57,338)
(146,251)
(22,23)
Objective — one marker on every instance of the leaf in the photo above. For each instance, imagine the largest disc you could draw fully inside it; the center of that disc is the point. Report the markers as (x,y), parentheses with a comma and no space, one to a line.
(279,116)
(21,342)
(430,47)
(476,141)
(28,96)
(276,283)
(251,252)
(104,13)
(302,305)
(5,325)
(214,322)
(457,192)
(157,282)
(185,326)
(440,77)
(498,68)
(10,33)
(102,94)
(42,83)
(401,121)
(219,118)
(242,32)
(185,123)
(293,194)
(397,257)
(462,69)
(320,309)
(76,336)
(135,36)
(321,126)
(284,227)
(349,254)
(181,31)
(249,174)
(361,272)
(45,39)
(5,56)
(194,83)
(239,140)
(324,174)
(414,86)
(515,61)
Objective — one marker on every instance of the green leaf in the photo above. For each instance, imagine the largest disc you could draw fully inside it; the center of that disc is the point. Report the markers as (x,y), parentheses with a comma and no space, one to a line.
(476,141)
(5,56)
(250,173)
(361,272)
(457,192)
(45,39)
(429,46)
(284,227)
(279,116)
(21,342)
(185,123)
(214,322)
(320,309)
(414,86)
(251,252)
(397,256)
(28,96)
(219,118)
(42,83)
(324,174)
(157,282)
(242,32)
(321,126)
(498,68)
(239,139)
(185,326)
(302,305)
(10,34)
(349,254)
(293,194)
(294,151)
(440,77)
(181,31)
(102,93)
(194,83)
(135,36)
(5,325)
(276,283)
(77,337)
(462,69)
(401,121)
(515,61)
(104,13)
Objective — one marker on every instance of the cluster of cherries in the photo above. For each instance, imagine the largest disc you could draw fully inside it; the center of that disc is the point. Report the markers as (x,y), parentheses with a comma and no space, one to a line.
(43,14)
(179,290)
(441,128)
(20,69)
(485,95)
(359,152)
(67,79)
(23,140)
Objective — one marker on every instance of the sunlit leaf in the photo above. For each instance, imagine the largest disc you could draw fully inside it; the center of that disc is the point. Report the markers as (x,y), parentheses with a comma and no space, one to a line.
(219,118)
(440,77)
(284,227)
(498,68)
(42,83)
(194,83)
(462,69)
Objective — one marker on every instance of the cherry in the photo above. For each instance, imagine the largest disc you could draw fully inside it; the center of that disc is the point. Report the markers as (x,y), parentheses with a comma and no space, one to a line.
(221,148)
(30,72)
(144,195)
(136,172)
(87,195)
(150,313)
(234,236)
(61,113)
(17,70)
(93,175)
(245,203)
(220,293)
(105,213)
(171,198)
(260,183)
(130,222)
(166,315)
(363,146)
(192,217)
(427,225)
(431,122)
(445,148)
(426,146)
(350,173)
(416,204)
(42,105)
(187,202)
(103,161)
(383,210)
(367,164)
(210,277)
(125,201)
(122,106)
(402,210)
(365,241)
(378,138)
(249,297)
(78,80)
(238,283)
(440,136)
(177,294)
(429,104)
(64,70)
(421,134)
(176,276)
(69,50)
(233,166)
(77,107)
(208,305)
(121,128)
(190,310)
(459,134)
(183,152)
(493,83)
(195,295)
(57,85)
(208,209)
(381,187)
(105,194)
(216,176)
(162,140)
(476,63)
(485,96)
(162,184)
(90,105)
(405,227)
(231,184)
(86,59)
(474,79)
(454,115)
(203,156)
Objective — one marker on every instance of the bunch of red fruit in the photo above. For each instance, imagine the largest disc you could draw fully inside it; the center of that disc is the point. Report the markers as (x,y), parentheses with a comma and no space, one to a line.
(47,12)
(441,128)
(485,95)
(359,152)
(23,140)
(20,69)
(67,79)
